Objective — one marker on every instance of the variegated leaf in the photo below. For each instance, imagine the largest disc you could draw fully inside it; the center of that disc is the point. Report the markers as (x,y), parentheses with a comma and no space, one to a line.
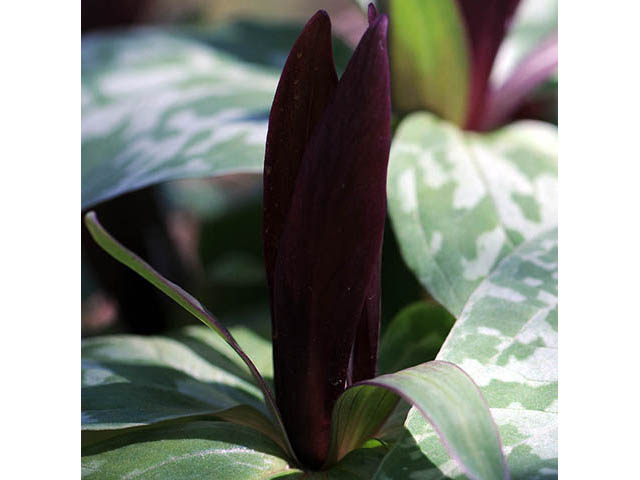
(207,449)
(506,339)
(158,106)
(191,450)
(131,381)
(447,399)
(460,202)
(476,218)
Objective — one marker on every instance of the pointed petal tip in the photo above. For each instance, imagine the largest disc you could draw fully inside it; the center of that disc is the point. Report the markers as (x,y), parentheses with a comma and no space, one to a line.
(320,15)
(320,20)
(380,23)
(372,13)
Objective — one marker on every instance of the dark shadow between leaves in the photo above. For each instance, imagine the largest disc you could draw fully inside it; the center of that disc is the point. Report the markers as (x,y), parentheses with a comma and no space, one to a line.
(414,460)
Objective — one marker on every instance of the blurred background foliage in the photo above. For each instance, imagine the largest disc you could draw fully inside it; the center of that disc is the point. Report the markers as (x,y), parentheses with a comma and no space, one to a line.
(205,234)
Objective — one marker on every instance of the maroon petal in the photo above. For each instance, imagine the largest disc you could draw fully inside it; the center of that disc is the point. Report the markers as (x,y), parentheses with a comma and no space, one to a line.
(487,23)
(364,359)
(330,247)
(372,13)
(307,83)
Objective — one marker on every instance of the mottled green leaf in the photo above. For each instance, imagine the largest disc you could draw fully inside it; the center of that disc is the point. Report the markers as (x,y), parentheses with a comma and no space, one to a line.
(429,57)
(448,400)
(460,202)
(158,106)
(506,339)
(476,218)
(130,380)
(209,449)
(414,336)
(193,450)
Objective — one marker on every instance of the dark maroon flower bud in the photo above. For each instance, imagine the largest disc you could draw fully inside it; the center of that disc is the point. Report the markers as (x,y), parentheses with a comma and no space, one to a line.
(487,24)
(323,220)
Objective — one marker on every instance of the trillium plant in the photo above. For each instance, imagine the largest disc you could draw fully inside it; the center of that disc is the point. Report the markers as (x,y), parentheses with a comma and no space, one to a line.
(327,398)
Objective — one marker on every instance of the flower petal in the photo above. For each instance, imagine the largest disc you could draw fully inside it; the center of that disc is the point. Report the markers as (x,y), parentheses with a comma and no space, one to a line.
(487,23)
(331,245)
(365,349)
(307,83)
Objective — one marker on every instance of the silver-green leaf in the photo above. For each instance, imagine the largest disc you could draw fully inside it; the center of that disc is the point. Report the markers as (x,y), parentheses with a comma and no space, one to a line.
(158,106)
(460,202)
(476,219)
(506,339)
(192,450)
(130,381)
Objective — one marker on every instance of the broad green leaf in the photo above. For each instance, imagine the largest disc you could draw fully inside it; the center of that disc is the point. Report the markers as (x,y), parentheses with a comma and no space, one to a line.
(208,346)
(414,336)
(506,339)
(189,303)
(215,450)
(429,57)
(161,105)
(476,218)
(130,380)
(461,202)
(192,450)
(448,400)
(158,106)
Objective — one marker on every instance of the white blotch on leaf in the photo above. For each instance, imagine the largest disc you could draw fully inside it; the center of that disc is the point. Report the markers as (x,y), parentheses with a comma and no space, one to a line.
(407,191)
(488,247)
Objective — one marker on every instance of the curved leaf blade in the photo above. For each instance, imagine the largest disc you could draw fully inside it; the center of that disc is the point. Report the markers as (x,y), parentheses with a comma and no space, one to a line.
(357,415)
(506,339)
(157,106)
(193,450)
(210,450)
(185,300)
(476,218)
(447,398)
(133,382)
(460,202)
